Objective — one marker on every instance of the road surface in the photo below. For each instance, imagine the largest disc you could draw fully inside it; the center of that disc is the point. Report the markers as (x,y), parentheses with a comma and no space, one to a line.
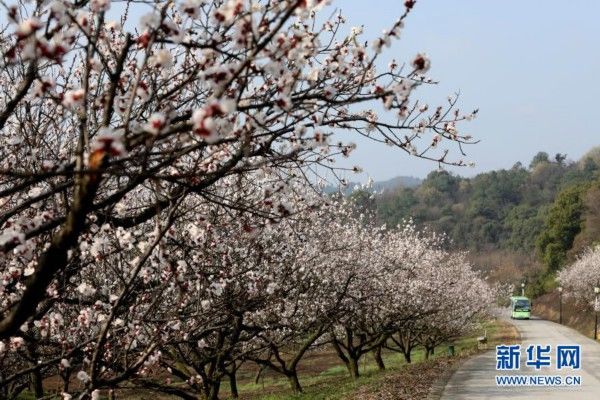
(475,379)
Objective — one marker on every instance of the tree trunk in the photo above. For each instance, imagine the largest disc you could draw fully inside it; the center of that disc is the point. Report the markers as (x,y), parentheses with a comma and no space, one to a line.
(407,356)
(350,359)
(36,381)
(259,374)
(233,385)
(294,382)
(213,393)
(379,359)
(352,366)
(427,352)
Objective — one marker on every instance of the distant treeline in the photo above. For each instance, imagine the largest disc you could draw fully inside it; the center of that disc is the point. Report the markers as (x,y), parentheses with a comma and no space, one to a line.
(550,208)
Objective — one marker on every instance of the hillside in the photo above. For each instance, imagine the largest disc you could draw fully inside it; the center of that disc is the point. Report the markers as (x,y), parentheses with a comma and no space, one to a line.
(392,184)
(397,182)
(534,216)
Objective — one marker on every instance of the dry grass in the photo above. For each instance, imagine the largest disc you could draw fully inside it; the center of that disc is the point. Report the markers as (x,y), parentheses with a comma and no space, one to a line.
(576,315)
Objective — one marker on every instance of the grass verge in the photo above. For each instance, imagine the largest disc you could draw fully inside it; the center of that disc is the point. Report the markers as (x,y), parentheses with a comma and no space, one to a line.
(399,381)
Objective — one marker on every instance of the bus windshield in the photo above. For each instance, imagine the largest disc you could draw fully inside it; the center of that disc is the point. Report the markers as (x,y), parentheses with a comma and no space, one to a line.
(522,305)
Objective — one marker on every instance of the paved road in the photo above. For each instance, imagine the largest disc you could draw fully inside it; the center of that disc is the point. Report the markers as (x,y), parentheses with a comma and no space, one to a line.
(475,379)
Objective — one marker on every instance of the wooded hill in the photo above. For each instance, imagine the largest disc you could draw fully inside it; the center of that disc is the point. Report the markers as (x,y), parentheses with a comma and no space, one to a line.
(546,211)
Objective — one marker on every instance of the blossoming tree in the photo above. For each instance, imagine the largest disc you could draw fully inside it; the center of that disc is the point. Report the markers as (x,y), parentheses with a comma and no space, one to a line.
(419,295)
(582,276)
(124,142)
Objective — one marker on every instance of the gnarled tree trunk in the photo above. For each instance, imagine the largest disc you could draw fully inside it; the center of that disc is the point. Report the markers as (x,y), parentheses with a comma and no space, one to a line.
(378,358)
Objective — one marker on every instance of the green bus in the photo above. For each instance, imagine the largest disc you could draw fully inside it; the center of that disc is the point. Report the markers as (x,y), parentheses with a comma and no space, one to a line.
(520,307)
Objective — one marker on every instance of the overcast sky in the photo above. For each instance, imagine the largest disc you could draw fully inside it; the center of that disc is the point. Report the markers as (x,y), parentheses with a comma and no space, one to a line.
(530,66)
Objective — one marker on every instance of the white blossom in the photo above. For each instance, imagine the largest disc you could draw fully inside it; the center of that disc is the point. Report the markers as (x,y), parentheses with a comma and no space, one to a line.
(86,289)
(421,63)
(74,98)
(99,5)
(83,376)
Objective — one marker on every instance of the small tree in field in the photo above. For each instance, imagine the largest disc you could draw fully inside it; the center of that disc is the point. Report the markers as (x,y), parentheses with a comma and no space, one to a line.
(134,152)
